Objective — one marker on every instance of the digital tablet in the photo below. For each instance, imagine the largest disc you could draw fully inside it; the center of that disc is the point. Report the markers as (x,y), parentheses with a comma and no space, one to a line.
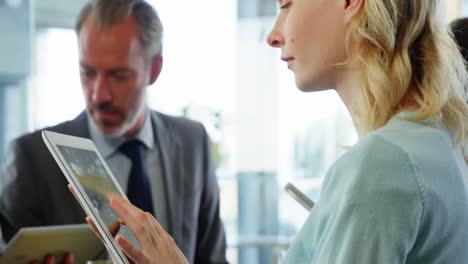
(93,182)
(36,242)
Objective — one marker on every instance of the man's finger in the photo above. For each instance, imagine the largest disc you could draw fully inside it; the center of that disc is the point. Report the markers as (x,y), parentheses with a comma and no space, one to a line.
(69,258)
(49,259)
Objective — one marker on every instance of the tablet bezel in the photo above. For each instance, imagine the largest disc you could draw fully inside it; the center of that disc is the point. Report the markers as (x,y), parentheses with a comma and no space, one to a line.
(52,140)
(17,246)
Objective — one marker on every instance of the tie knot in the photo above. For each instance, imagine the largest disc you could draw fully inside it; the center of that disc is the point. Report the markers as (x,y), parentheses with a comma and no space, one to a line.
(133,149)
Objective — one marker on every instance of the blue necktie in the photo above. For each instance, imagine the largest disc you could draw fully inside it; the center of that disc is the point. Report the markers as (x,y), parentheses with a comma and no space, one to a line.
(138,188)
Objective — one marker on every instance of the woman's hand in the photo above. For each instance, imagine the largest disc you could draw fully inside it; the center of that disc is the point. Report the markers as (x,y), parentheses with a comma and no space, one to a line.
(156,245)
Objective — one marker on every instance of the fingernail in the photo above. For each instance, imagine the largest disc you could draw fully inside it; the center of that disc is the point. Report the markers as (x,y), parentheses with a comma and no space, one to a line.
(112,196)
(119,238)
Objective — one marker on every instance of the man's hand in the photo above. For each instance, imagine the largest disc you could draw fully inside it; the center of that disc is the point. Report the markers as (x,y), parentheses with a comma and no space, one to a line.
(50,259)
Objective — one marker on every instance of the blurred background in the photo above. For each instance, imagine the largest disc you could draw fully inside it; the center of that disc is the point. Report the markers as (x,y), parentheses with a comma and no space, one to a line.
(218,70)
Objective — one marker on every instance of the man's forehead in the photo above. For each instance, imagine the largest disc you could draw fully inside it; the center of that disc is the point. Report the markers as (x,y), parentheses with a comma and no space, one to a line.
(123,34)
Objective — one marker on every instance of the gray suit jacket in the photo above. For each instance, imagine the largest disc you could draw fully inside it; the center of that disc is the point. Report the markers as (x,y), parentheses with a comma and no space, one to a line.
(34,191)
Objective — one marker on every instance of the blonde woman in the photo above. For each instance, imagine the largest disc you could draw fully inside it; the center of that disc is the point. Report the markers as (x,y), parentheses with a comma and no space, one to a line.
(399,195)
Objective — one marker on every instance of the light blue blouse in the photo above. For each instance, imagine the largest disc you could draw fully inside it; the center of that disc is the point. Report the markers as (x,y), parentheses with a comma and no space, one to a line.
(399,196)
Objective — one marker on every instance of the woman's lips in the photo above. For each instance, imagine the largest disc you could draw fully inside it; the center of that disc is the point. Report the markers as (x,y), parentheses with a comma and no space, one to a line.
(289,61)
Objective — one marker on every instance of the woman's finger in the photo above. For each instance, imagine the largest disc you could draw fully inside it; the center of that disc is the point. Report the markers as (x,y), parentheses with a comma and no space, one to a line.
(114,228)
(159,229)
(93,227)
(165,242)
(130,250)
(152,223)
(134,218)
(180,256)
(76,197)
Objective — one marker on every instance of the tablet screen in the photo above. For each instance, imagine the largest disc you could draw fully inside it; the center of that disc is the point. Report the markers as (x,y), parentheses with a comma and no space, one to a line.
(96,183)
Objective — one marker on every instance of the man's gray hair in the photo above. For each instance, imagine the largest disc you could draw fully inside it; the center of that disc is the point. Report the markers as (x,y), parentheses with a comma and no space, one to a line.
(106,13)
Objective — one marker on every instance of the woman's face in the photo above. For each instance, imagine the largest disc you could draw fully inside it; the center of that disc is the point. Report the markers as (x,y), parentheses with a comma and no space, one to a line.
(311,36)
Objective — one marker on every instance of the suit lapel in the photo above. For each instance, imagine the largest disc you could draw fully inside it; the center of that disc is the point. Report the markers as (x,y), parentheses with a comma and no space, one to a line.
(78,127)
(169,150)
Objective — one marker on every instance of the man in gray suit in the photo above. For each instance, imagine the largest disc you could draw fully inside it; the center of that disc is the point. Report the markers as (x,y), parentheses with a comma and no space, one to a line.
(120,55)
(459,29)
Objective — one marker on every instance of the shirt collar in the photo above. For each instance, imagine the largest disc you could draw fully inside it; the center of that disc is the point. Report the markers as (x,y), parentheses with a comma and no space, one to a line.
(109,145)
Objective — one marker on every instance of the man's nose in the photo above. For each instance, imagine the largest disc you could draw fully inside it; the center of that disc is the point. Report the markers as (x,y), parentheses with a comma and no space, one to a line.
(101,91)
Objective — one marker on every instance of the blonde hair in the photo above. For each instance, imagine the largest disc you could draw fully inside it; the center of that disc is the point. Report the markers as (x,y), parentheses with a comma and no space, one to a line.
(406,52)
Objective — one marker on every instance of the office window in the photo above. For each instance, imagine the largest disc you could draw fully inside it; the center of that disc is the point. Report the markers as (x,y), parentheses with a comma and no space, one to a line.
(316,130)
(55,90)
(464,7)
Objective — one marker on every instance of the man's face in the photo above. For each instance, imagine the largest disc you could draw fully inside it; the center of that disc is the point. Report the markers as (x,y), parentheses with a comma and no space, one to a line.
(114,75)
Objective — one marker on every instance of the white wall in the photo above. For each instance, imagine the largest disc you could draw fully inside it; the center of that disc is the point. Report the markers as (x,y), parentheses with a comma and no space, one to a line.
(199,55)
(57,13)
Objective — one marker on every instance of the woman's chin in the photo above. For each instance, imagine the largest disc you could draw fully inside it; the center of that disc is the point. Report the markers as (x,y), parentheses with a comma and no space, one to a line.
(310,86)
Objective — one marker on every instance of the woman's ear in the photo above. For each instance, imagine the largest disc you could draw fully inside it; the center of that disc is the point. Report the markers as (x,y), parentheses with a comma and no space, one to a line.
(156,66)
(352,8)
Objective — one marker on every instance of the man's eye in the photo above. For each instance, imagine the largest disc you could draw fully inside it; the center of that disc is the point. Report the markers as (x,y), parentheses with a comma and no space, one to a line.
(121,77)
(88,74)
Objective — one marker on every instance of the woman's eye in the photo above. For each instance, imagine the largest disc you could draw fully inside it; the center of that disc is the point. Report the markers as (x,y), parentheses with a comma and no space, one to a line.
(285,6)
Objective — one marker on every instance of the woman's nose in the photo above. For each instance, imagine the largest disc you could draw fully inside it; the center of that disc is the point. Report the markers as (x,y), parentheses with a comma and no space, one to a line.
(276,38)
